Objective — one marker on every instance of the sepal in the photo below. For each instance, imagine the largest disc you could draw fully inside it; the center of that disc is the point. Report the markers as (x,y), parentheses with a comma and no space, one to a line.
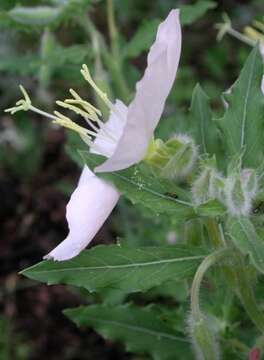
(173,159)
(240,189)
(209,184)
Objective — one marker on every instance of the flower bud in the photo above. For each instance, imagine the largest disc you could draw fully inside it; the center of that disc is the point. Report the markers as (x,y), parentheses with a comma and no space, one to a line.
(240,189)
(250,181)
(173,159)
(208,185)
(203,339)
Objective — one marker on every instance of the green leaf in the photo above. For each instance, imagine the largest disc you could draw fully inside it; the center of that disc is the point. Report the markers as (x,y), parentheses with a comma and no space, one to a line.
(141,187)
(243,121)
(141,329)
(203,128)
(18,64)
(191,13)
(142,39)
(38,15)
(146,32)
(244,236)
(211,208)
(118,267)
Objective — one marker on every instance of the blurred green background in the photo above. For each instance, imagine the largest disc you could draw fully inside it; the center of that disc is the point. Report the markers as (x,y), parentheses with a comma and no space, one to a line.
(42,46)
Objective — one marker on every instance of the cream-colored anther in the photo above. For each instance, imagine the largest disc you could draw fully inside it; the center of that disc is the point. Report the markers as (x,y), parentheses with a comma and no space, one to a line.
(86,74)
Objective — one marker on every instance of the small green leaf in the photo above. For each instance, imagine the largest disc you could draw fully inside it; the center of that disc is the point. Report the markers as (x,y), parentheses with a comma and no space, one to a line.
(142,330)
(244,236)
(141,187)
(38,15)
(243,121)
(211,208)
(191,13)
(119,267)
(203,128)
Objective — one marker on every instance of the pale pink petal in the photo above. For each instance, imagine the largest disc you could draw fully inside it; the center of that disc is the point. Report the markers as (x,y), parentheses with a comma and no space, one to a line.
(90,205)
(145,110)
(262,85)
(111,131)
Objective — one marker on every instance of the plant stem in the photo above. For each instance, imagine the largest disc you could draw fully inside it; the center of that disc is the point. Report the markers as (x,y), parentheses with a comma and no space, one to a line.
(203,337)
(237,277)
(246,294)
(112,26)
(204,266)
(115,62)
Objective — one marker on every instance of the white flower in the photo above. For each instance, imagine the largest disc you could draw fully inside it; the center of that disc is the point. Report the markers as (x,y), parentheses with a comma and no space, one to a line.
(90,205)
(123,139)
(145,110)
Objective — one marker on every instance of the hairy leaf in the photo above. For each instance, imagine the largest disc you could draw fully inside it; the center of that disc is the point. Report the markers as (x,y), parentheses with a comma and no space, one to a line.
(142,330)
(118,267)
(141,187)
(244,236)
(243,121)
(203,128)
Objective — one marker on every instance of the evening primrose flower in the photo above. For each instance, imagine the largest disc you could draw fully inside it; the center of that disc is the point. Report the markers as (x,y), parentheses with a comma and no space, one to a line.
(124,139)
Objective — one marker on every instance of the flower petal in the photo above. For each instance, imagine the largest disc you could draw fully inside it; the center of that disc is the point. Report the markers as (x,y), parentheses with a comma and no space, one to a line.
(90,205)
(111,131)
(145,110)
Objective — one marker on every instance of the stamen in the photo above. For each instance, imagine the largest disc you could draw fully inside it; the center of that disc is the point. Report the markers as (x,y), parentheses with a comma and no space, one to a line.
(90,123)
(92,114)
(87,117)
(226,28)
(253,34)
(86,74)
(75,109)
(25,105)
(79,106)
(85,103)
(68,123)
(26,96)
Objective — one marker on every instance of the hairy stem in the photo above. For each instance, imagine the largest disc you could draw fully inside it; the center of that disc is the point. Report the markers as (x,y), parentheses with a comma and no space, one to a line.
(237,278)
(246,294)
(204,266)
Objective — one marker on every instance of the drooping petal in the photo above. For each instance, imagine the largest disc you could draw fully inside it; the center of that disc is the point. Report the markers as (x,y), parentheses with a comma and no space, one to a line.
(111,131)
(90,205)
(145,110)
